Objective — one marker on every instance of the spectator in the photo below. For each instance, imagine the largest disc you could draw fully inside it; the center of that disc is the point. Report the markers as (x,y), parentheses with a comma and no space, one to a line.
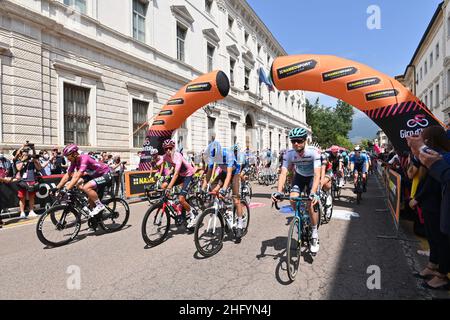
(429,195)
(104,157)
(44,160)
(27,170)
(5,166)
(58,164)
(118,168)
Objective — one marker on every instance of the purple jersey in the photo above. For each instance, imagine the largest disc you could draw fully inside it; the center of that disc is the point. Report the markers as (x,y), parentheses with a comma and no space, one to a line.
(86,164)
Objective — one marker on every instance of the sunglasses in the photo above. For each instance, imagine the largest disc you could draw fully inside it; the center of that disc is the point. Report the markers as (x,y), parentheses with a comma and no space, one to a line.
(298,141)
(168,149)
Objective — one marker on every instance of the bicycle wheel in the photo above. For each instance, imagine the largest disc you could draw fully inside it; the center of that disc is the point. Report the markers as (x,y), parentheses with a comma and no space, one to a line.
(245,216)
(115,215)
(293,248)
(209,233)
(65,230)
(155,225)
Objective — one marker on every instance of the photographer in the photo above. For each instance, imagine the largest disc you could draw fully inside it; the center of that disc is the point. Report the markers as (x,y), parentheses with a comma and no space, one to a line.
(118,168)
(27,171)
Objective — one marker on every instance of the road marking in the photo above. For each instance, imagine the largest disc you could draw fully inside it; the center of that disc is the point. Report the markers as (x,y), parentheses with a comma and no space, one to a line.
(344,215)
(254,205)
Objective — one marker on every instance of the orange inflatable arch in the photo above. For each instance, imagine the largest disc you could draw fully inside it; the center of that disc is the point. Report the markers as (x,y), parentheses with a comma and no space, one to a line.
(386,101)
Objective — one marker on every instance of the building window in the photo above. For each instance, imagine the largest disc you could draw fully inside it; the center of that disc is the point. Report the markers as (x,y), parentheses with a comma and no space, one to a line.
(448,27)
(437,96)
(246,36)
(431,60)
(76,116)
(426,67)
(208,5)
(139,13)
(448,81)
(79,5)
(259,49)
(268,59)
(270,140)
(232,65)
(140,117)
(437,51)
(233,132)
(181,38)
(279,142)
(211,127)
(431,98)
(421,74)
(230,23)
(426,100)
(210,57)
(247,79)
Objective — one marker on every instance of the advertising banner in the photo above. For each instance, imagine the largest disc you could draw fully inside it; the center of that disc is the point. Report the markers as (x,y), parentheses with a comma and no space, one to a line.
(135,181)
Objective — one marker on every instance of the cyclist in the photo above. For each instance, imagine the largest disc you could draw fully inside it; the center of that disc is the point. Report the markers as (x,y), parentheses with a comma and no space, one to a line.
(346,160)
(183,174)
(336,164)
(305,161)
(84,168)
(359,163)
(364,152)
(325,180)
(230,169)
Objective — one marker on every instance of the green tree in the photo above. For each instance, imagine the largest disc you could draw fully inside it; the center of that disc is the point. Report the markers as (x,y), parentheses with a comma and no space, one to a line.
(330,125)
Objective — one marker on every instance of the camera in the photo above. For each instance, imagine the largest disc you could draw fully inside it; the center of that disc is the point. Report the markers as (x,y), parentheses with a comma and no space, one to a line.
(29,145)
(124,162)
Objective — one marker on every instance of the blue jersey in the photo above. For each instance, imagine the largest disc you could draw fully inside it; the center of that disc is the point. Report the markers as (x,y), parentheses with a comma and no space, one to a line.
(359,161)
(305,164)
(229,160)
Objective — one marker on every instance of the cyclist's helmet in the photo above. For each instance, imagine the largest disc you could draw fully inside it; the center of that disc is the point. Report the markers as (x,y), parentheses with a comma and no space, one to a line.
(357,149)
(169,143)
(334,149)
(298,133)
(69,149)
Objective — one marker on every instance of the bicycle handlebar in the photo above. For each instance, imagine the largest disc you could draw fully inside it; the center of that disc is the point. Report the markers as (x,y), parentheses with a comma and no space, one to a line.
(289,198)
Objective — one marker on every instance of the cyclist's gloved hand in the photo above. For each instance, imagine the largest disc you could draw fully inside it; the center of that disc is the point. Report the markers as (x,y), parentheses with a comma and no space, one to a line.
(314,197)
(222,192)
(276,196)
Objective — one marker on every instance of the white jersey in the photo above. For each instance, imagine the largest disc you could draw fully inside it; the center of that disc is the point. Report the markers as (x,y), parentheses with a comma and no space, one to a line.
(303,164)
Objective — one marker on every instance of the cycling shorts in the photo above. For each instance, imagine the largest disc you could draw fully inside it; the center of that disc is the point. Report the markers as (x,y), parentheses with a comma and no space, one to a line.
(300,183)
(186,181)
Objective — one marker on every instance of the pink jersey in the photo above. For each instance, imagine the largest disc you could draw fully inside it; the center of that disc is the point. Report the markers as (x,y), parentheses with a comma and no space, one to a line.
(181,164)
(85,163)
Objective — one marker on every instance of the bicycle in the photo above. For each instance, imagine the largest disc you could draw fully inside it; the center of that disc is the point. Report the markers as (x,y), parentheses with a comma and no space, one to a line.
(299,234)
(215,222)
(335,189)
(359,188)
(156,223)
(74,206)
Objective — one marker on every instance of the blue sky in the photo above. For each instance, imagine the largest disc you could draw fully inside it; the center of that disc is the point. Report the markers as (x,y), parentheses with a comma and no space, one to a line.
(339,27)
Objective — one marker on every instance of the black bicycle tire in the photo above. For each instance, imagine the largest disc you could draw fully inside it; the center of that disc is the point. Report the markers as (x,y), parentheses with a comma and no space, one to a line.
(199,248)
(149,242)
(40,222)
(292,274)
(127,214)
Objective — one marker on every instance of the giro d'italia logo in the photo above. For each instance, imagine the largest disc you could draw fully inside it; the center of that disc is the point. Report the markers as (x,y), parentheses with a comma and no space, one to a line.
(419,120)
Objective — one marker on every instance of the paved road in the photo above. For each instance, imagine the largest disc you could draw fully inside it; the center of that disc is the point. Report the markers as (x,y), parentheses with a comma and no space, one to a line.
(119,266)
